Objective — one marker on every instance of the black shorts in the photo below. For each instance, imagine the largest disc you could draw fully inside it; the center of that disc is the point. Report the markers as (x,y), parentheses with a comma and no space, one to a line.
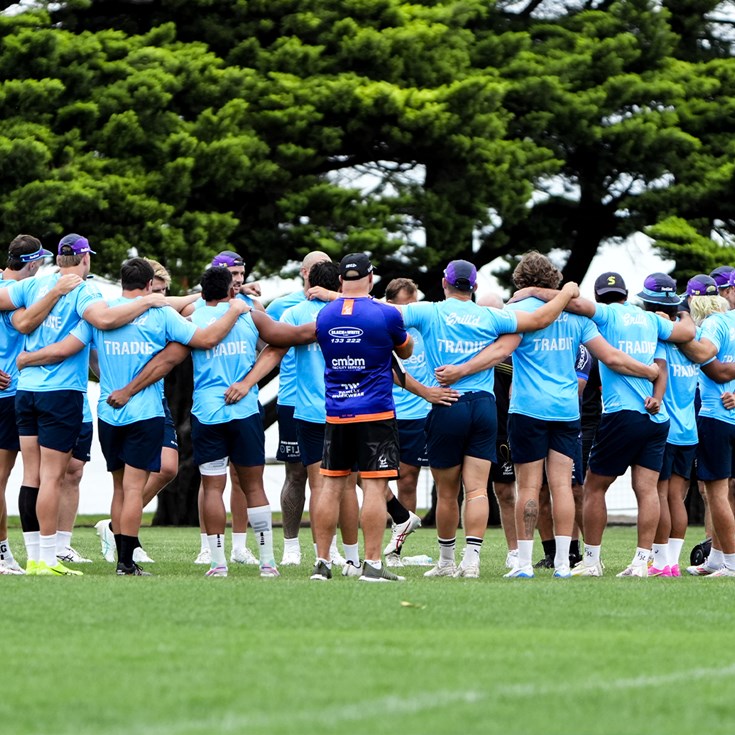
(170,437)
(311,441)
(242,440)
(412,440)
(83,448)
(628,439)
(678,460)
(503,470)
(55,417)
(136,445)
(8,425)
(371,446)
(531,438)
(288,442)
(716,449)
(467,428)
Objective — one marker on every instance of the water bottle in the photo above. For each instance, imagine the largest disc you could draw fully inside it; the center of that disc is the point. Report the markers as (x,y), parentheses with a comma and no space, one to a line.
(422,560)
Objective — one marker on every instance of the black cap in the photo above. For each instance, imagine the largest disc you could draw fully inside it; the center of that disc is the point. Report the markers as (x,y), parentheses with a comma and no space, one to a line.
(355,266)
(610,283)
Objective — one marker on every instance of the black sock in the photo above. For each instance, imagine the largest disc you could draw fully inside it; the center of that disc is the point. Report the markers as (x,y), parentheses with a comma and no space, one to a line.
(549,547)
(138,545)
(574,547)
(397,511)
(127,546)
(27,498)
(118,536)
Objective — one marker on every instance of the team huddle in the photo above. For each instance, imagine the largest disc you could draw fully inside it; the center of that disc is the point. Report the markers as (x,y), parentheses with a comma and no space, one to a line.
(370,391)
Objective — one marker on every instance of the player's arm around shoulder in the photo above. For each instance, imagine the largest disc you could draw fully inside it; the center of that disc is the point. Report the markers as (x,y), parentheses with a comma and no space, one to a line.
(105,317)
(542,317)
(281,334)
(205,338)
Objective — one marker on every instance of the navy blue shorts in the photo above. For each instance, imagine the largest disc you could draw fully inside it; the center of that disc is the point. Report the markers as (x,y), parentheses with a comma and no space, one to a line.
(83,448)
(678,460)
(716,448)
(136,445)
(503,470)
(531,439)
(288,442)
(242,440)
(55,417)
(467,428)
(8,425)
(579,467)
(627,439)
(371,447)
(310,436)
(170,437)
(412,441)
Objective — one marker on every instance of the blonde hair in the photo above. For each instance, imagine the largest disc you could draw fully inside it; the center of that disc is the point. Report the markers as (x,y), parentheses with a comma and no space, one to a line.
(160,272)
(702,306)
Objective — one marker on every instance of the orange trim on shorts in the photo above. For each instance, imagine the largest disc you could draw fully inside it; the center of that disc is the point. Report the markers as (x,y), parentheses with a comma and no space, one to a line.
(334,473)
(361,418)
(390,474)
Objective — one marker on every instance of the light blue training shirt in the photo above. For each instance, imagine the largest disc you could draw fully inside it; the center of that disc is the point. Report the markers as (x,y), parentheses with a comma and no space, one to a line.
(287,374)
(719,329)
(409,405)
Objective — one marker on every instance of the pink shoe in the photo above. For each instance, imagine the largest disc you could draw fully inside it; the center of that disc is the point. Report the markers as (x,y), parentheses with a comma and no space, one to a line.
(675,572)
(665,572)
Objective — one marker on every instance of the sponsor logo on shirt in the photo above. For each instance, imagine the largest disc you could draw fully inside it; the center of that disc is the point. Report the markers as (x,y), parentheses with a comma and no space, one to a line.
(461,345)
(127,348)
(630,319)
(637,347)
(349,390)
(472,320)
(684,371)
(549,345)
(52,321)
(345,332)
(223,349)
(348,363)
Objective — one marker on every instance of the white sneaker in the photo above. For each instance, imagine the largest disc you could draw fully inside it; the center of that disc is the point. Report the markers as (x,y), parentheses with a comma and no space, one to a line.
(107,539)
(469,571)
(141,557)
(400,531)
(634,570)
(291,558)
(205,557)
(520,573)
(350,570)
(723,572)
(269,570)
(562,572)
(582,570)
(215,571)
(243,556)
(446,569)
(336,558)
(393,560)
(701,570)
(11,568)
(511,559)
(72,556)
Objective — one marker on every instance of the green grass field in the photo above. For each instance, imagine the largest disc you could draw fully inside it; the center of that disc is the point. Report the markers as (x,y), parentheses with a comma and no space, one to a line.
(179,654)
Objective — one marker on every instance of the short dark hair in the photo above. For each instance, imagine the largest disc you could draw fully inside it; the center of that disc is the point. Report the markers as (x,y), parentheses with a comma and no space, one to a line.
(21,245)
(611,297)
(400,284)
(325,274)
(135,274)
(216,284)
(670,310)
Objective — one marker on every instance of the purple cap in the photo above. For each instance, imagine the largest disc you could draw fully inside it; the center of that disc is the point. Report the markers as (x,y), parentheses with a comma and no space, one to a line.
(721,274)
(658,288)
(74,244)
(461,274)
(702,285)
(227,258)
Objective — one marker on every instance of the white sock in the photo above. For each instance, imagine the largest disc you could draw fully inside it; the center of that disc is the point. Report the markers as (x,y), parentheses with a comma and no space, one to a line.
(591,555)
(47,549)
(5,553)
(333,550)
(660,555)
(715,559)
(674,552)
(352,553)
(730,561)
(291,544)
(446,550)
(63,539)
(328,562)
(204,541)
(472,551)
(261,521)
(561,558)
(640,557)
(525,552)
(32,540)
(239,540)
(216,544)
